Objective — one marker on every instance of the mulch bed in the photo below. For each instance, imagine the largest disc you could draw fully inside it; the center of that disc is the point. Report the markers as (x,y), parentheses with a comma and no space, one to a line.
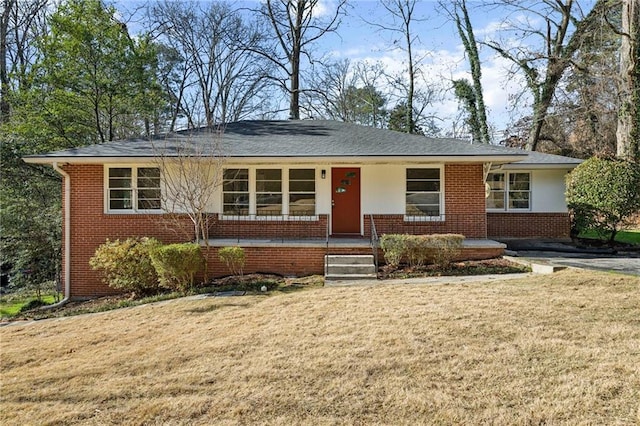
(470,267)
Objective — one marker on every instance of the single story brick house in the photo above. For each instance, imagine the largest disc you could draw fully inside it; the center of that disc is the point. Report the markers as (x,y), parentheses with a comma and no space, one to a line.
(291,192)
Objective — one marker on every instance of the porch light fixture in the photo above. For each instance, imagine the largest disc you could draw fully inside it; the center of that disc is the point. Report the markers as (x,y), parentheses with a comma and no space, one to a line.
(323,174)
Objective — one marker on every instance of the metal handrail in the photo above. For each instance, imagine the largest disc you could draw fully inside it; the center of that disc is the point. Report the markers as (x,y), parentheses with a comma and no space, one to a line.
(326,252)
(374,242)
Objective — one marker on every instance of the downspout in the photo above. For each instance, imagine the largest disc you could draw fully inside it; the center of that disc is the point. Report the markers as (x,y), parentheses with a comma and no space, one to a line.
(67,238)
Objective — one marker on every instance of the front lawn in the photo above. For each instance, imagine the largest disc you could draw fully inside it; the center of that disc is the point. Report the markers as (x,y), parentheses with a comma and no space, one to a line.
(549,349)
(625,237)
(11,305)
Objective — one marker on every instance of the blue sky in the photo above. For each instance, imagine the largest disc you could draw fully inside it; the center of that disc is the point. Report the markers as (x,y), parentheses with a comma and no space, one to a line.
(439,46)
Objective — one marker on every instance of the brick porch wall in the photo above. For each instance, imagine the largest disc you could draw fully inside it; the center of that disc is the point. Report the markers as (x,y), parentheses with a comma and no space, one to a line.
(274,229)
(528,225)
(300,261)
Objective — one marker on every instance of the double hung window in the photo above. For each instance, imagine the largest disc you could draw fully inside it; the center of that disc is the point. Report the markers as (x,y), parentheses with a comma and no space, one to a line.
(302,192)
(235,190)
(133,189)
(423,193)
(269,192)
(509,191)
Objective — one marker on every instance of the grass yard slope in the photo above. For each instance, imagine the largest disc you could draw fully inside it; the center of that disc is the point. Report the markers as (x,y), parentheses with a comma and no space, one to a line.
(552,349)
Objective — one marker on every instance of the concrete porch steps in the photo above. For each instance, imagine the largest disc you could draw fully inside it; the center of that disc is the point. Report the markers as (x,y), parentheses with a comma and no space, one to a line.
(349,267)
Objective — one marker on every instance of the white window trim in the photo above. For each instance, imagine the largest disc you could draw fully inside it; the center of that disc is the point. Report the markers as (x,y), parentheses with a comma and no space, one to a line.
(442,216)
(134,188)
(284,216)
(506,192)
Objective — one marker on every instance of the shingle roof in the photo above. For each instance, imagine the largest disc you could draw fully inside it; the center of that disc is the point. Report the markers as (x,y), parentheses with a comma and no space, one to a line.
(304,138)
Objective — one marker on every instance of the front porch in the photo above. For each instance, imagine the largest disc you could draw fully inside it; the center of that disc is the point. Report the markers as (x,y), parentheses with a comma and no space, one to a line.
(306,256)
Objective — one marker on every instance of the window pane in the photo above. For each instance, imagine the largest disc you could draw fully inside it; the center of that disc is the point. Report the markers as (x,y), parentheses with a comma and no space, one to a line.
(519,181)
(518,200)
(149,172)
(427,186)
(120,172)
(496,180)
(149,193)
(423,192)
(119,183)
(302,174)
(302,204)
(422,210)
(302,186)
(496,200)
(235,190)
(268,186)
(236,186)
(423,173)
(120,200)
(236,174)
(269,199)
(422,198)
(149,204)
(268,174)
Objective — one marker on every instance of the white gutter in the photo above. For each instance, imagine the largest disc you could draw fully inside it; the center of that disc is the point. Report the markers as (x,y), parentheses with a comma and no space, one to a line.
(67,238)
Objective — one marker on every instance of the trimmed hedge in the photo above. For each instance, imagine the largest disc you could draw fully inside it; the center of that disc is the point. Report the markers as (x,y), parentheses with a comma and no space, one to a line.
(416,250)
(126,265)
(233,257)
(177,265)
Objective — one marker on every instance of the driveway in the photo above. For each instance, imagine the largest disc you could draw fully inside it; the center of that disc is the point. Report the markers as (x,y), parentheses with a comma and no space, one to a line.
(562,254)
(611,263)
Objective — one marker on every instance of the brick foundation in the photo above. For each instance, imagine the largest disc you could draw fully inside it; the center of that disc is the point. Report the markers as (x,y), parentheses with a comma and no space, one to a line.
(528,225)
(300,261)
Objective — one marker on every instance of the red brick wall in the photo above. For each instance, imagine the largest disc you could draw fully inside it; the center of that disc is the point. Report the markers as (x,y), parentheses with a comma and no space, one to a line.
(90,227)
(528,225)
(312,228)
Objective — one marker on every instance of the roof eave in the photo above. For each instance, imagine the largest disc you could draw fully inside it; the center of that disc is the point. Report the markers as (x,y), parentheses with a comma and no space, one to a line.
(359,159)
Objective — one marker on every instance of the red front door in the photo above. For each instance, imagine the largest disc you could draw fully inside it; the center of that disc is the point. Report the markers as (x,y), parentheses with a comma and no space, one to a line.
(345,189)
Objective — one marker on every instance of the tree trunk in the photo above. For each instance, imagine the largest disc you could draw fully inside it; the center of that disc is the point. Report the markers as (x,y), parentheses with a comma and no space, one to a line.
(4,76)
(471,48)
(628,130)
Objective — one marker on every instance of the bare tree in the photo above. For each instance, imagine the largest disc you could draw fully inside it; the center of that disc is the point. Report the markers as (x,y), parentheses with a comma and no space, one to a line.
(561,36)
(191,172)
(215,46)
(347,92)
(469,93)
(296,24)
(628,130)
(21,23)
(412,100)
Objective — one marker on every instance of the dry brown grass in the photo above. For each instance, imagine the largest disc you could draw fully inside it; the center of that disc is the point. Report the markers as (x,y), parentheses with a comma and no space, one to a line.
(558,349)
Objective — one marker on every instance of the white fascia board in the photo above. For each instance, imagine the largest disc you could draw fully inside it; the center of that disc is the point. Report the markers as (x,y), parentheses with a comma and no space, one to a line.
(537,166)
(499,159)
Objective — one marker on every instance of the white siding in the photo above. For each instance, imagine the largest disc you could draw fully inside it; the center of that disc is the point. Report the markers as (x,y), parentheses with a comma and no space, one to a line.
(548,191)
(383,189)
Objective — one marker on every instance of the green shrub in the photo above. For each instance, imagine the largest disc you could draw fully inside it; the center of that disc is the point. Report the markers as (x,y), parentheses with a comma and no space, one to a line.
(126,265)
(603,194)
(177,265)
(416,250)
(393,247)
(233,257)
(444,248)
